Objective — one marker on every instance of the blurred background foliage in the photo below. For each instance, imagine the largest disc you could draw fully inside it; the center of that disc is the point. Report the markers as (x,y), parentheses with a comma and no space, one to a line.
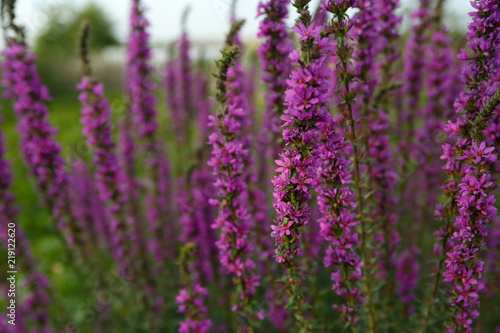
(60,36)
(56,46)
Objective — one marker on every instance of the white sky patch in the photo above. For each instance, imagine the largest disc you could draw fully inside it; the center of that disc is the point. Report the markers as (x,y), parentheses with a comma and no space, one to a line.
(208,19)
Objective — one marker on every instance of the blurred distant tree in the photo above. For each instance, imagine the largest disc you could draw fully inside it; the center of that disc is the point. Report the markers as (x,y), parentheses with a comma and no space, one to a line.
(60,35)
(56,44)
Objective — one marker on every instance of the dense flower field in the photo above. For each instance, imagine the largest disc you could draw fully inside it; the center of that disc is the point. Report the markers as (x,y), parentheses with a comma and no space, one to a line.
(345,181)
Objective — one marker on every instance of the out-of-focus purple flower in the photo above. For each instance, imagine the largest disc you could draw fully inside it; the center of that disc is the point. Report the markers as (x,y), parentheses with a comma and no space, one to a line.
(40,150)
(204,104)
(190,302)
(442,89)
(141,87)
(126,161)
(181,97)
(276,67)
(87,207)
(415,55)
(416,48)
(389,24)
(8,208)
(407,276)
(33,316)
(96,118)
(375,36)
(173,97)
(197,217)
(186,79)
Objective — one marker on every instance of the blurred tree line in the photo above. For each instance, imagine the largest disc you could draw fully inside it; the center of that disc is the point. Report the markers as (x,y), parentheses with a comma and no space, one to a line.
(56,46)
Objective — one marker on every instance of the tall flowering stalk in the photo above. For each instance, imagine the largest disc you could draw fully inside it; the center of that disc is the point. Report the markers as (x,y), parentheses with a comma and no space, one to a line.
(340,27)
(374,38)
(172,97)
(305,100)
(34,307)
(143,106)
(410,149)
(96,118)
(228,163)
(276,67)
(441,87)
(469,163)
(239,99)
(182,99)
(40,150)
(338,222)
(414,65)
(475,211)
(389,23)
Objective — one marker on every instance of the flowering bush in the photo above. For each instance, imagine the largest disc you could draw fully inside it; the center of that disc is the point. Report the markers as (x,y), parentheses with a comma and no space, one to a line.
(352,188)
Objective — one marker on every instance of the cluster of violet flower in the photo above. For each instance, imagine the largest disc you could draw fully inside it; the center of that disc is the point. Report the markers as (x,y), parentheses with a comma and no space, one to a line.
(341,176)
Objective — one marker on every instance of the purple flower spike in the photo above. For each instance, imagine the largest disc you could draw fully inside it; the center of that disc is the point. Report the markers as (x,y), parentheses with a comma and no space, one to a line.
(276,67)
(375,35)
(140,85)
(40,150)
(34,307)
(141,88)
(305,162)
(228,162)
(335,199)
(96,118)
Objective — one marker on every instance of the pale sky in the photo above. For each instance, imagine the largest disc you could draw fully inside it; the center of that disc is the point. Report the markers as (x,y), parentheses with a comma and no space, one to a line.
(207,20)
